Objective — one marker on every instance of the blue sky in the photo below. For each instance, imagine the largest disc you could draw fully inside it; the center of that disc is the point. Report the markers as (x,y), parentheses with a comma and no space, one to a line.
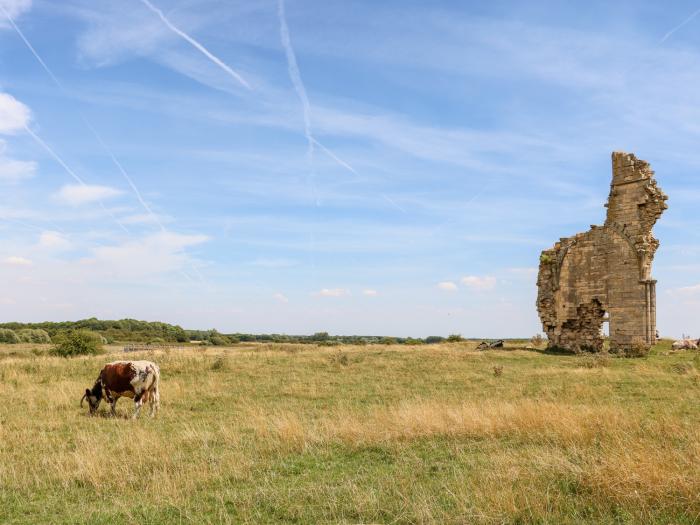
(392,167)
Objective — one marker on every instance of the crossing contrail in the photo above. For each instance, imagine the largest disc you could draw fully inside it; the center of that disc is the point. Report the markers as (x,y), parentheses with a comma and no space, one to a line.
(70,172)
(60,85)
(687,20)
(295,76)
(196,44)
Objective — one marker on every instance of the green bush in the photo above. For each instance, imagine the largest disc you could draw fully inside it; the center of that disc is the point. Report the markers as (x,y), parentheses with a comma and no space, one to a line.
(455,338)
(34,335)
(8,336)
(77,342)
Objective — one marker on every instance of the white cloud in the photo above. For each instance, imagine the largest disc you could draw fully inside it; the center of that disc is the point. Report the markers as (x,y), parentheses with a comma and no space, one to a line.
(17,261)
(448,286)
(479,283)
(332,292)
(147,256)
(52,240)
(14,116)
(15,170)
(77,194)
(281,298)
(370,293)
(13,9)
(686,290)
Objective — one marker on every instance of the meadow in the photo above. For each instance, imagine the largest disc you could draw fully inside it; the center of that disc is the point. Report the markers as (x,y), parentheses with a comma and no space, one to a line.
(285,433)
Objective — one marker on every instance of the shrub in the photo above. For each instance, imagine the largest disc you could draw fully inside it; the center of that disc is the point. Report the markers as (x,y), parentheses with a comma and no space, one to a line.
(8,336)
(455,338)
(434,339)
(537,340)
(77,342)
(38,336)
(220,363)
(638,348)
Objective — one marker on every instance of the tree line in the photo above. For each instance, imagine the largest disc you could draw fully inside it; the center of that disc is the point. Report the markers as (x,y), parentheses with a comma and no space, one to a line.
(132,330)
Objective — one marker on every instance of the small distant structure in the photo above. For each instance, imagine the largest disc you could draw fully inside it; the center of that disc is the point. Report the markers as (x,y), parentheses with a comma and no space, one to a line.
(604,274)
(145,347)
(487,345)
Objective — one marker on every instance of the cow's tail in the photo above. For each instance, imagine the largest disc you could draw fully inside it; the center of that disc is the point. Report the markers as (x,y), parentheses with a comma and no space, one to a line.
(155,398)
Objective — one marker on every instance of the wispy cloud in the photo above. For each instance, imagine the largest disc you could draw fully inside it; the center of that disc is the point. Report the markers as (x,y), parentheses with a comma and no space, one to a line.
(686,290)
(53,240)
(370,293)
(14,115)
(17,261)
(78,194)
(447,286)
(476,282)
(332,292)
(199,47)
(154,254)
(13,8)
(280,297)
(12,170)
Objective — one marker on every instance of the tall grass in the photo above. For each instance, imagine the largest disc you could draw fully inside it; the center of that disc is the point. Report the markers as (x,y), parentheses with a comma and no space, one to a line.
(277,433)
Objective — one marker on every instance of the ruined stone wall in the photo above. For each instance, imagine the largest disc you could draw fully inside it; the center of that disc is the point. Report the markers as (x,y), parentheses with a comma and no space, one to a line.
(604,274)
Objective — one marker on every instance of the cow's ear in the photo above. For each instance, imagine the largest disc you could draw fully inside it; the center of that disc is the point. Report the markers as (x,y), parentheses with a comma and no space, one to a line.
(87,392)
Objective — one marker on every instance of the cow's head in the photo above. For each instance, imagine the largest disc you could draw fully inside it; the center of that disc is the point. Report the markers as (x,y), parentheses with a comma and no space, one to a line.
(94,397)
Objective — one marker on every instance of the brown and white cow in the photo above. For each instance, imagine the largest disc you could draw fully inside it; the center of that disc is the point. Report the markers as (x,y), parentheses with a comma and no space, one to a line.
(138,380)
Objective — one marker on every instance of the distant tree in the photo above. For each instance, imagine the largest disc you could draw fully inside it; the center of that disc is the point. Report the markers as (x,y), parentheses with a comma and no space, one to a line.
(8,336)
(434,339)
(320,336)
(77,342)
(455,338)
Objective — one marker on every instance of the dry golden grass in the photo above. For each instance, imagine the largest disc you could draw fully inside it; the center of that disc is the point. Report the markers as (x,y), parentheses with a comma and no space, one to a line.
(296,433)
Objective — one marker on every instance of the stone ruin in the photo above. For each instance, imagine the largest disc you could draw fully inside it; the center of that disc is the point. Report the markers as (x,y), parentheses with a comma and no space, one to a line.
(604,274)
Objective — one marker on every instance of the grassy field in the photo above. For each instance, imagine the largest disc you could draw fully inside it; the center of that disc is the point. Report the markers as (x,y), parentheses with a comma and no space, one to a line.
(373,434)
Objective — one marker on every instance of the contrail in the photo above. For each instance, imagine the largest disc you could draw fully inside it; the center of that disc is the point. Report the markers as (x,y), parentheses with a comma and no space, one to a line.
(70,172)
(690,18)
(60,85)
(196,44)
(334,156)
(31,48)
(295,76)
(128,179)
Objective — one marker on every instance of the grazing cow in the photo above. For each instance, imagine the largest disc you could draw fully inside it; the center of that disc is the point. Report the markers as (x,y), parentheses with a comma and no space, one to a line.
(138,380)
(685,344)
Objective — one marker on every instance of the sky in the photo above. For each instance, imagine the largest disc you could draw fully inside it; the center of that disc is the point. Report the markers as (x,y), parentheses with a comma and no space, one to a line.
(363,167)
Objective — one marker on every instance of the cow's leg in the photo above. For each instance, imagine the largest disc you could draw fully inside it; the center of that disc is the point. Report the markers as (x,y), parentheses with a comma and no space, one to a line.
(154,400)
(113,406)
(138,402)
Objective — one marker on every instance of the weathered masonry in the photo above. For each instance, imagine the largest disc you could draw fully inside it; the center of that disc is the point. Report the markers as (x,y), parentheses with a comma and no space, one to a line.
(604,274)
